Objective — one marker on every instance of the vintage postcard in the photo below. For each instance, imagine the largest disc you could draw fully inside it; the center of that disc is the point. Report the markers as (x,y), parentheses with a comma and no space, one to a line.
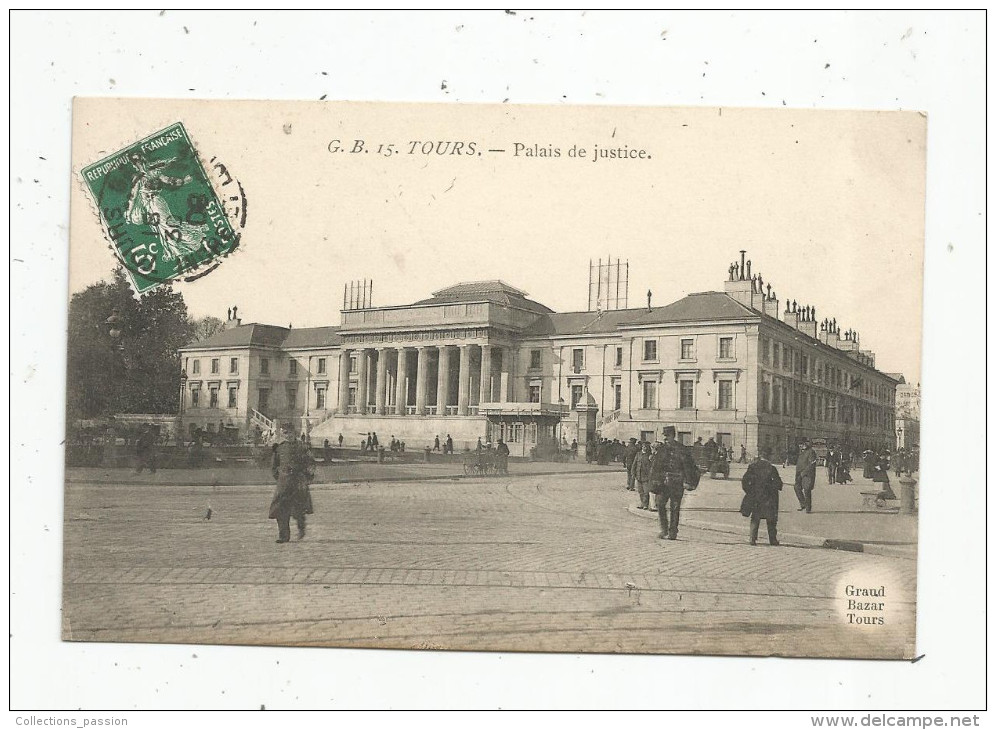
(494,377)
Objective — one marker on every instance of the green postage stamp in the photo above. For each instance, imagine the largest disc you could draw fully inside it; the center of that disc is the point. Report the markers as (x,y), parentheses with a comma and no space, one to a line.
(159,211)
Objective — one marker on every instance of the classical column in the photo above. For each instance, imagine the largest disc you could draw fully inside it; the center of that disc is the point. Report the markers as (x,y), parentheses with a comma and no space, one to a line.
(463,398)
(343,381)
(443,380)
(486,389)
(505,384)
(401,397)
(421,380)
(361,387)
(380,396)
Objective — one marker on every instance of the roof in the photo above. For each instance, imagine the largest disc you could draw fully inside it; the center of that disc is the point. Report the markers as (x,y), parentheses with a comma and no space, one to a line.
(480,287)
(313,337)
(898,377)
(246,335)
(707,305)
(267,335)
(495,291)
(694,307)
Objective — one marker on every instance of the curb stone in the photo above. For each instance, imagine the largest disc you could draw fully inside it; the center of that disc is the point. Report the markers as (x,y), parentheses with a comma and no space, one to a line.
(793,537)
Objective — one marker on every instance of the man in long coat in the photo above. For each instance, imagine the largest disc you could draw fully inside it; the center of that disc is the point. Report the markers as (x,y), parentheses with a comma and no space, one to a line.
(641,474)
(629,459)
(761,484)
(292,470)
(805,477)
(670,468)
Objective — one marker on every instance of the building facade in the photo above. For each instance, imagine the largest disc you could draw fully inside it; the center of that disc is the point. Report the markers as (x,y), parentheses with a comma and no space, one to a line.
(482,360)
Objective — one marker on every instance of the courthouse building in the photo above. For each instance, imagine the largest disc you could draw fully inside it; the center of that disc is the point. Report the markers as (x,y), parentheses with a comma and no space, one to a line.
(483,360)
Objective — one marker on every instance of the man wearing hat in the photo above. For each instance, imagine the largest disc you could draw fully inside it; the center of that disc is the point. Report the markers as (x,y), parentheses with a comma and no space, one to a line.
(805,476)
(670,468)
(629,461)
(292,470)
(761,485)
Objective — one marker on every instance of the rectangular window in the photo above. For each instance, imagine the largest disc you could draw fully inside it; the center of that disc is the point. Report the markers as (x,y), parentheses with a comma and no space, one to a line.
(686,394)
(291,396)
(685,438)
(577,359)
(618,394)
(805,365)
(323,365)
(786,358)
(726,347)
(233,397)
(352,396)
(264,399)
(535,359)
(619,355)
(197,367)
(726,395)
(264,366)
(577,392)
(776,398)
(765,396)
(215,366)
(352,364)
(534,393)
(292,368)
(650,394)
(776,348)
(765,344)
(195,398)
(233,365)
(213,398)
(688,349)
(320,398)
(650,349)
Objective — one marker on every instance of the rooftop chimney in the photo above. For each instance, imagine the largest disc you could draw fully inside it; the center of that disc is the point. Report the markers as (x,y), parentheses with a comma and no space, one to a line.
(742,286)
(233,318)
(649,295)
(807,323)
(791,315)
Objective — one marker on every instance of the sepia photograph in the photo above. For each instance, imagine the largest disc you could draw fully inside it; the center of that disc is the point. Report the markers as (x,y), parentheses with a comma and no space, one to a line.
(497,360)
(339,379)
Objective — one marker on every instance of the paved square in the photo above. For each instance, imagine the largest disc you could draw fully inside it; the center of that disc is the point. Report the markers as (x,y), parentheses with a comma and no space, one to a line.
(523,563)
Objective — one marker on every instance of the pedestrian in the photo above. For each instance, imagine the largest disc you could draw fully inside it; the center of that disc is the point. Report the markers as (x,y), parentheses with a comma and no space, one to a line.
(574,449)
(340,440)
(449,444)
(435,445)
(641,472)
(291,468)
(145,451)
(327,451)
(761,484)
(375,441)
(501,459)
(671,467)
(805,476)
(629,459)
(743,454)
(480,446)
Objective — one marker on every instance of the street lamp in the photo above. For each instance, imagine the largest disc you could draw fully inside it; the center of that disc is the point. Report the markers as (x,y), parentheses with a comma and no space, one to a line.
(179,420)
(113,324)
(899,437)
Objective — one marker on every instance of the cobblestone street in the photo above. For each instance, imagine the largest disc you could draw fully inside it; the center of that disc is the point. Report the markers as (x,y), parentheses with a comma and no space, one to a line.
(550,562)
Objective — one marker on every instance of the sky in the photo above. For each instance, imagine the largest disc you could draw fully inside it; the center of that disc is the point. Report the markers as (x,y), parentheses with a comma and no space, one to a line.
(829,205)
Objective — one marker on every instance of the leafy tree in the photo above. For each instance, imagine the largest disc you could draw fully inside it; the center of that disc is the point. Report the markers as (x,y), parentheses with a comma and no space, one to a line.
(136,372)
(207,326)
